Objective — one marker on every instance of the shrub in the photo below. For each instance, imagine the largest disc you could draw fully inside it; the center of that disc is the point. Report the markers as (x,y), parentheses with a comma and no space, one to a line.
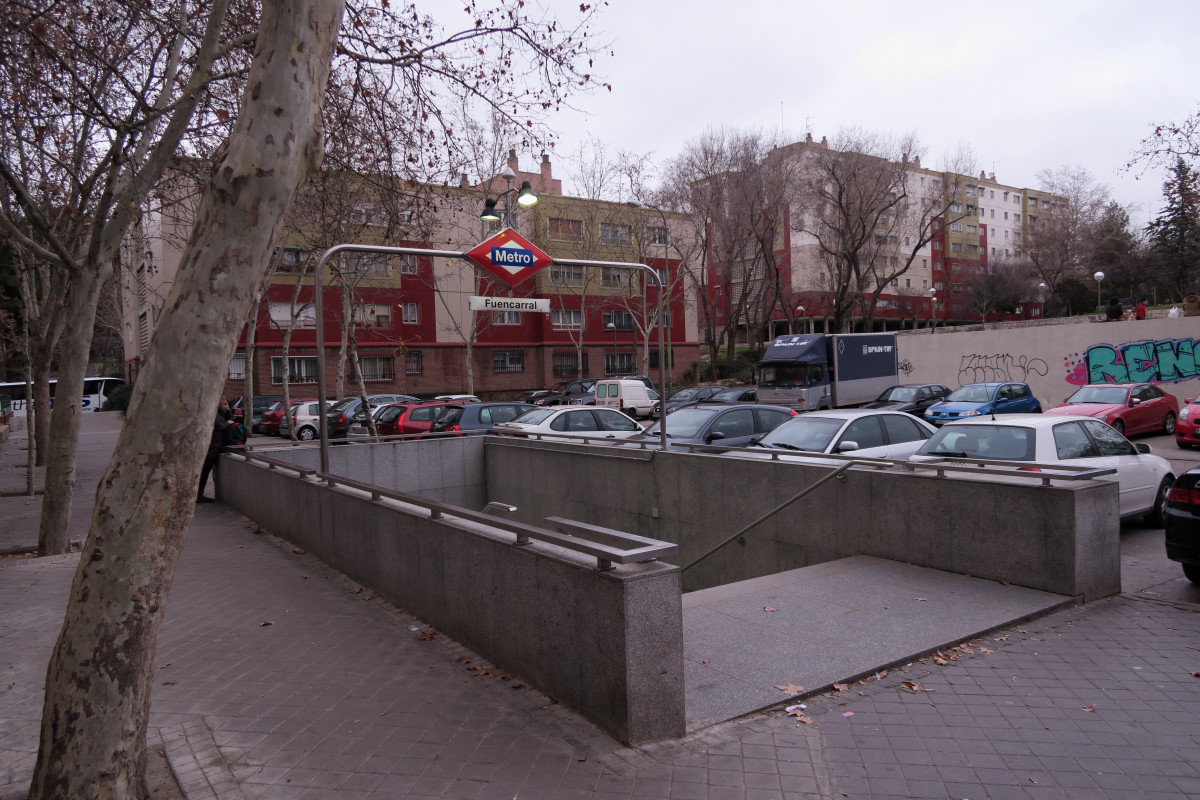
(118,398)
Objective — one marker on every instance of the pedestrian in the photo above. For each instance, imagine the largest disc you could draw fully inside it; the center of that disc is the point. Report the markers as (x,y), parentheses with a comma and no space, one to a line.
(1141,309)
(1113,310)
(216,446)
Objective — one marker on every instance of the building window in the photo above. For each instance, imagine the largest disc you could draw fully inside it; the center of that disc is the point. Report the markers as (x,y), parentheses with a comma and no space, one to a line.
(664,276)
(566,365)
(291,259)
(611,277)
(1006,197)
(973,249)
(281,316)
(1033,202)
(612,233)
(566,318)
(895,282)
(1017,199)
(956,247)
(373,316)
(506,317)
(1032,219)
(958,287)
(566,275)
(567,230)
(375,368)
(924,284)
(408,265)
(972,229)
(237,367)
(301,369)
(956,207)
(618,363)
(1045,204)
(937,245)
(621,320)
(937,225)
(654,357)
(956,226)
(656,235)
(368,264)
(412,313)
(1016,236)
(508,361)
(908,283)
(970,191)
(412,363)
(1006,234)
(993,213)
(1016,217)
(924,263)
(820,278)
(1016,252)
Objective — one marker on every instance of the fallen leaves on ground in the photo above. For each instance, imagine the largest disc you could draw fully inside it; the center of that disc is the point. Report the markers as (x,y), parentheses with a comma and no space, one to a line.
(162,666)
(986,650)
(911,686)
(801,717)
(427,634)
(1195,674)
(1090,708)
(790,688)
(356,590)
(265,624)
(841,687)
(489,672)
(767,608)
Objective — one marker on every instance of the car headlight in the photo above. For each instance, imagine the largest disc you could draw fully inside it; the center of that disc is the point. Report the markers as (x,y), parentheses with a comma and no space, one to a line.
(970,413)
(1183,412)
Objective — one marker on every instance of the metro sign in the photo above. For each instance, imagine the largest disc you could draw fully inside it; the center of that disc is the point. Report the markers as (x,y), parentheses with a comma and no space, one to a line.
(509,257)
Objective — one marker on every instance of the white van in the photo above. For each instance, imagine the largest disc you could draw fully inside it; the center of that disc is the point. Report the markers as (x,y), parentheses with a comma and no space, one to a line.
(627,395)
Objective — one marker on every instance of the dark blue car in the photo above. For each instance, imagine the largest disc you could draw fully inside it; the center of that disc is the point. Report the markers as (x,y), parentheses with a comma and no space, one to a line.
(977,399)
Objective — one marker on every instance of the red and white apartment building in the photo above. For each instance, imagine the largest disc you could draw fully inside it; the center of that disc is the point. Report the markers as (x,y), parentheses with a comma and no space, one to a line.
(413,327)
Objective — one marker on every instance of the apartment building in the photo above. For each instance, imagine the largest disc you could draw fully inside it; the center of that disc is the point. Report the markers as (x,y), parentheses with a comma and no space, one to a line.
(410,315)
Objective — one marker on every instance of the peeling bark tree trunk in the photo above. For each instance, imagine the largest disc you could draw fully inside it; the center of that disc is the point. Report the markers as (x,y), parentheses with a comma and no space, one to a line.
(93,733)
(54,534)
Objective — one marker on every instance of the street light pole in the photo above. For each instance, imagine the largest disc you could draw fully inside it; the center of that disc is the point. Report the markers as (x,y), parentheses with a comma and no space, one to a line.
(933,309)
(1099,276)
(612,326)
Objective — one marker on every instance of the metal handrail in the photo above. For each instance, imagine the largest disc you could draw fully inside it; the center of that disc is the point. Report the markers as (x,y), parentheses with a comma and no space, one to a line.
(606,554)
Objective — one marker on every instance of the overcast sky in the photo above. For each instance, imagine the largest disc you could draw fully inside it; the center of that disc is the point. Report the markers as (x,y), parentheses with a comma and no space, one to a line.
(1027,85)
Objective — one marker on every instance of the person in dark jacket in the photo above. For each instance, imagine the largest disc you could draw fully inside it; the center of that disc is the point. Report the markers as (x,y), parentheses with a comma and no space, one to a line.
(1141,309)
(216,446)
(1113,311)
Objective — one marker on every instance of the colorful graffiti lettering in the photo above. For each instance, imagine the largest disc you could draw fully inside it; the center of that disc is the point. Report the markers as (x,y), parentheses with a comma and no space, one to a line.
(999,367)
(1162,361)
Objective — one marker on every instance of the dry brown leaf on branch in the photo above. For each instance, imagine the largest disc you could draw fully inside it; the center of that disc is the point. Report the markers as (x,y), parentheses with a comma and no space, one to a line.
(790,688)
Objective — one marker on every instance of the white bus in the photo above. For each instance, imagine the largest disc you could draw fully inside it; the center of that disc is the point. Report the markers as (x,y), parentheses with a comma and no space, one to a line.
(95,391)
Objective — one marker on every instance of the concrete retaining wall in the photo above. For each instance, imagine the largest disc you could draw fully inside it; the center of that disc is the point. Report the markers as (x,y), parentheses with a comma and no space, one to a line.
(1057,539)
(608,644)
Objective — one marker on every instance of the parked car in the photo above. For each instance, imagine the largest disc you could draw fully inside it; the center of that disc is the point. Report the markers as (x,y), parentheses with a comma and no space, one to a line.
(625,394)
(913,398)
(1049,440)
(1187,427)
(339,416)
(591,423)
(574,390)
(302,417)
(268,422)
(261,404)
(476,418)
(1129,407)
(855,432)
(686,396)
(358,424)
(1183,523)
(404,419)
(976,399)
(733,425)
(458,398)
(738,394)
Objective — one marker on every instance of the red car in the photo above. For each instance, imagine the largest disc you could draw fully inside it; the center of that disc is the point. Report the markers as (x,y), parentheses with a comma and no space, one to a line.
(1187,429)
(1129,407)
(399,419)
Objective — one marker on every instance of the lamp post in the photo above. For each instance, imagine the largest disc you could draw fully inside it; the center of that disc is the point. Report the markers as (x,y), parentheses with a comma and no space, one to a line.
(525,198)
(1099,276)
(662,322)
(612,326)
(1042,299)
(933,308)
(803,322)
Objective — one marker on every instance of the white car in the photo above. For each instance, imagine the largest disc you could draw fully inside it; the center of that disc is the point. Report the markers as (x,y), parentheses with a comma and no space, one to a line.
(850,432)
(1072,441)
(587,421)
(458,398)
(305,417)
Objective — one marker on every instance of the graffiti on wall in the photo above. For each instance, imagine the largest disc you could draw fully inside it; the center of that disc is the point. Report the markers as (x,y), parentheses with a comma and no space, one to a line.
(905,366)
(1149,361)
(999,367)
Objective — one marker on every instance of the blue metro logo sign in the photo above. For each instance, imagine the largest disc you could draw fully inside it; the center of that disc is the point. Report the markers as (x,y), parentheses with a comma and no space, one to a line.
(509,257)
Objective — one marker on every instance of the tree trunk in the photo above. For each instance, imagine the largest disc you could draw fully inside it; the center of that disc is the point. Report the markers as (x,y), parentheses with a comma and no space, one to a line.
(37,409)
(93,734)
(54,534)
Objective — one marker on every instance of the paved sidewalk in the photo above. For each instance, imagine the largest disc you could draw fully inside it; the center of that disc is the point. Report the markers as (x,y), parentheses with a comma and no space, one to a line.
(279,678)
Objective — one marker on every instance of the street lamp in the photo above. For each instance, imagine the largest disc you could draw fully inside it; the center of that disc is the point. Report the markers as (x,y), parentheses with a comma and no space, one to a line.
(1042,299)
(525,198)
(933,308)
(612,326)
(803,323)
(1099,276)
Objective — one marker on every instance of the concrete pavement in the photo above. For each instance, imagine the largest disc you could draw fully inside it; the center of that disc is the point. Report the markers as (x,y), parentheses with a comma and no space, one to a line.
(278,678)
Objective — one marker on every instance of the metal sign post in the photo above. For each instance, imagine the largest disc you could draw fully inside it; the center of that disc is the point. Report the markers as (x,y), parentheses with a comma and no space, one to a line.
(473,257)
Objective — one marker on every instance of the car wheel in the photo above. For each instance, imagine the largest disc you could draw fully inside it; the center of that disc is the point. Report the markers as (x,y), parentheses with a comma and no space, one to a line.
(1157,517)
(1169,424)
(1192,573)
(306,434)
(1118,426)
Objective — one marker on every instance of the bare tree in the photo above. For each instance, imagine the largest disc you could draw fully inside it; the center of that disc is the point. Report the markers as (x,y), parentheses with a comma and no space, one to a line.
(1170,141)
(1059,246)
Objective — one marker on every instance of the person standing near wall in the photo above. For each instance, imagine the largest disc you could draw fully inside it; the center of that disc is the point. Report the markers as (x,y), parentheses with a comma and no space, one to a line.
(1113,311)
(1141,309)
(216,446)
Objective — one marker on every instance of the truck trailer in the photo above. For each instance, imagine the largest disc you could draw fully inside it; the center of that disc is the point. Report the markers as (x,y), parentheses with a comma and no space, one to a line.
(807,372)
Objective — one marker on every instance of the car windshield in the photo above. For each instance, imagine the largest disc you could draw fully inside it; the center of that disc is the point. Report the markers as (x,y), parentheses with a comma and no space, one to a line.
(536,416)
(728,395)
(971,393)
(897,394)
(686,423)
(342,405)
(684,394)
(805,433)
(1109,395)
(1003,442)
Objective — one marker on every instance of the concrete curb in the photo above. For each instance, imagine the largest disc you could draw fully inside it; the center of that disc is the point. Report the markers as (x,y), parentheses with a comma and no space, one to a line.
(196,761)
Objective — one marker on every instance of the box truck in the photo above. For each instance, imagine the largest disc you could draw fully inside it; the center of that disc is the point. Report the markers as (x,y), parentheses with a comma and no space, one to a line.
(806,372)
